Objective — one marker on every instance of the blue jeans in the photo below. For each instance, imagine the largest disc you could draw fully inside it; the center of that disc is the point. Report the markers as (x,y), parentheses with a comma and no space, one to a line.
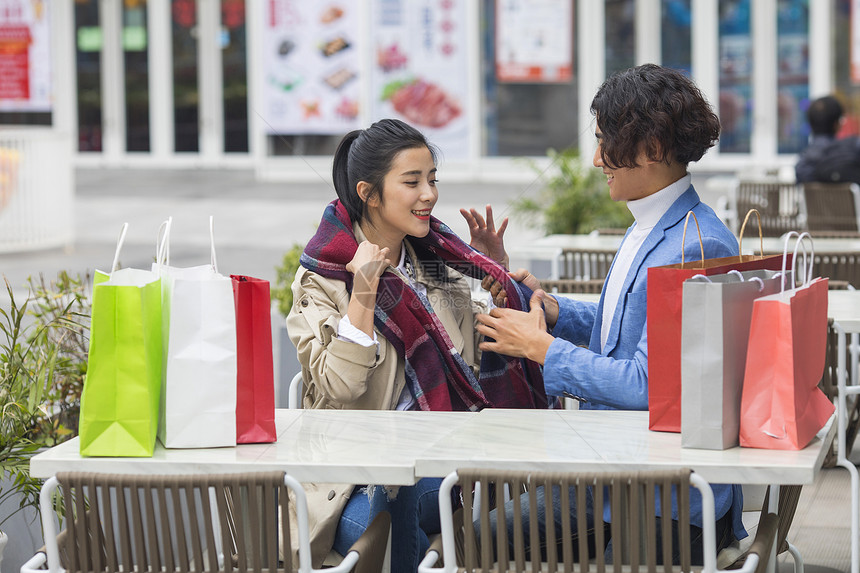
(414,516)
(724,533)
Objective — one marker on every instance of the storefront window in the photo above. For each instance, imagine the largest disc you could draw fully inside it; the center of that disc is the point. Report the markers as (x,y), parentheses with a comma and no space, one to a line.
(735,103)
(88,46)
(620,35)
(846,79)
(235,75)
(675,35)
(186,94)
(525,118)
(25,63)
(792,74)
(136,57)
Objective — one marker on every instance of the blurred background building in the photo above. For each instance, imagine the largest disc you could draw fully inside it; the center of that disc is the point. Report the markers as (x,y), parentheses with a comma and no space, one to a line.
(273,84)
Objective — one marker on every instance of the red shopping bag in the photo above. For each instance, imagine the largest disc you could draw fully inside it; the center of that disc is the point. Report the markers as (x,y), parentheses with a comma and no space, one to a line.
(782,407)
(665,300)
(255,385)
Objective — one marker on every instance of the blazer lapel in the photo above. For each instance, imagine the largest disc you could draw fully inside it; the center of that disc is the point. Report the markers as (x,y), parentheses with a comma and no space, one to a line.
(675,214)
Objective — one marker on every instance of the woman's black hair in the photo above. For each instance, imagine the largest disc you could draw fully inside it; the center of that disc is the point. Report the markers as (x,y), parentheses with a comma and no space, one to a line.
(656,110)
(367,155)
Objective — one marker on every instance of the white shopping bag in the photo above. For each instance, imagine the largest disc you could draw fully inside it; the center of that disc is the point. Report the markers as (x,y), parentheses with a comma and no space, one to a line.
(715,327)
(198,405)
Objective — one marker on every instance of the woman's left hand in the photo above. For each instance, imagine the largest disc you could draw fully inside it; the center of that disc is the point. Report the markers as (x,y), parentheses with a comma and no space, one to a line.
(484,235)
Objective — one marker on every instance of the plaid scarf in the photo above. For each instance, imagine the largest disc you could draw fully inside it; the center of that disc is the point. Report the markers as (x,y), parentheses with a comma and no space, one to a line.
(437,375)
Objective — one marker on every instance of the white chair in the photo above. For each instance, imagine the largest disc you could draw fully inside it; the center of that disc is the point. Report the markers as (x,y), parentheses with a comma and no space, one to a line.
(632,497)
(179,523)
(294,395)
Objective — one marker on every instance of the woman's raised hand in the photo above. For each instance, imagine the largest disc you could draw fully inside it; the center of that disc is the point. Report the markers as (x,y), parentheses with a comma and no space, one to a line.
(484,235)
(368,263)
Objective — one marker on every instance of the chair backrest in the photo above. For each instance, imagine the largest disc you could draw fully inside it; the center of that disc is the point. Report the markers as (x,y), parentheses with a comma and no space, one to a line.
(631,496)
(832,206)
(294,396)
(593,286)
(777,202)
(585,265)
(174,523)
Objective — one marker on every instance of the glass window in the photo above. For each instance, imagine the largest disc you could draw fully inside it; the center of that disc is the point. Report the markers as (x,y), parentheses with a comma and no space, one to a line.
(620,35)
(792,74)
(235,75)
(186,94)
(524,118)
(88,46)
(735,76)
(676,21)
(136,57)
(847,83)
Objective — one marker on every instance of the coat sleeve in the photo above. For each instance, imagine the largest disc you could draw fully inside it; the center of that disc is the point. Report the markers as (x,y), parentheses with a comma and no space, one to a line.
(338,368)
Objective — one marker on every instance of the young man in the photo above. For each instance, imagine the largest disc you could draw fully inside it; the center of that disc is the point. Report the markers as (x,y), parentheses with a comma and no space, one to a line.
(827,159)
(651,123)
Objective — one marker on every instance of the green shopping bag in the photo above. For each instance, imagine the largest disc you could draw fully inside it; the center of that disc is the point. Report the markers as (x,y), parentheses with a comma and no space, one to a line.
(120,399)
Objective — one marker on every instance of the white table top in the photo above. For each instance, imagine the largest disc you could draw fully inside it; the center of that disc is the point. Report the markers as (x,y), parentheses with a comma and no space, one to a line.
(843,306)
(577,440)
(397,448)
(348,446)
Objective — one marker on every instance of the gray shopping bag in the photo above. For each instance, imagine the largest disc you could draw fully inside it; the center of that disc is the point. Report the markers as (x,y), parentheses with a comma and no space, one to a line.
(714,334)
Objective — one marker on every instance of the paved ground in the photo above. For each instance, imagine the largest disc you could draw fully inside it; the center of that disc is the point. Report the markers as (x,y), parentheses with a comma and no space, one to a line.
(255,223)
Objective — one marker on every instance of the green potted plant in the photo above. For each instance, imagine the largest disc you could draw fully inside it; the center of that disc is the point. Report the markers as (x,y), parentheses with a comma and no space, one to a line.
(43,348)
(574,198)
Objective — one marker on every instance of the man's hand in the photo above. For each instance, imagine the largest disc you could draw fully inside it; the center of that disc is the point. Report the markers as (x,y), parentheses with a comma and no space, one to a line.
(500,297)
(517,333)
(484,235)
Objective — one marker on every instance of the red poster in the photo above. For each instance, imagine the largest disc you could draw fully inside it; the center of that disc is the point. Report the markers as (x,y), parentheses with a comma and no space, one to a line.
(15,62)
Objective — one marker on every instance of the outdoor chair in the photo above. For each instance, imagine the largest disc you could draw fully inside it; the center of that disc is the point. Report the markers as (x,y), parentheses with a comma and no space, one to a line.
(585,265)
(592,286)
(756,499)
(632,498)
(294,395)
(779,204)
(183,523)
(832,207)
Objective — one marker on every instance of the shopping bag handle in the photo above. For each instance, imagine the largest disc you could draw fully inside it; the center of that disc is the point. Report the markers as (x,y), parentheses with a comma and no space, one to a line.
(213,260)
(807,278)
(162,244)
(684,237)
(119,243)
(760,234)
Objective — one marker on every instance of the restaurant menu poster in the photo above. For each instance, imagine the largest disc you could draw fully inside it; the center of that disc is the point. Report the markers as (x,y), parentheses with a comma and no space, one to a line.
(25,56)
(310,67)
(534,41)
(420,69)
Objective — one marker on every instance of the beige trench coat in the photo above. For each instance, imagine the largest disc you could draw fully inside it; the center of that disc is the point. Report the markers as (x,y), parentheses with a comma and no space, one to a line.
(344,375)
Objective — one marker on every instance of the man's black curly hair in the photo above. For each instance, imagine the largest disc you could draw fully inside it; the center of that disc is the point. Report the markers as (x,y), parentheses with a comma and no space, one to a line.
(656,110)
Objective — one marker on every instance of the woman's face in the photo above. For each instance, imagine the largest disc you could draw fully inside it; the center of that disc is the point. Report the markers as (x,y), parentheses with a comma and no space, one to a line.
(408,195)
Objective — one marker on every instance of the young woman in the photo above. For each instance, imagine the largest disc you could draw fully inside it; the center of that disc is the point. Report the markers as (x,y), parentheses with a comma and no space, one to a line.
(383,319)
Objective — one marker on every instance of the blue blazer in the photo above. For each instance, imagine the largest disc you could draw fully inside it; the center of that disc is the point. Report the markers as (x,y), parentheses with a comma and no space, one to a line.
(616,376)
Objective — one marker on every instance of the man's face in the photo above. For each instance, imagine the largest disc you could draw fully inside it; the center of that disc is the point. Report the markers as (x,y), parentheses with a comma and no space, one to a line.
(625,183)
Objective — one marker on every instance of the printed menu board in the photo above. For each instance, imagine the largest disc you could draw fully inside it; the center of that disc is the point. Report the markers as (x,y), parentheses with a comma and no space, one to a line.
(534,40)
(420,69)
(310,67)
(25,56)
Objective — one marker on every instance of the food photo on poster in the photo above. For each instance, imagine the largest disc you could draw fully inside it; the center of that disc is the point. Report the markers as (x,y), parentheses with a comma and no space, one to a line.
(311,67)
(420,69)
